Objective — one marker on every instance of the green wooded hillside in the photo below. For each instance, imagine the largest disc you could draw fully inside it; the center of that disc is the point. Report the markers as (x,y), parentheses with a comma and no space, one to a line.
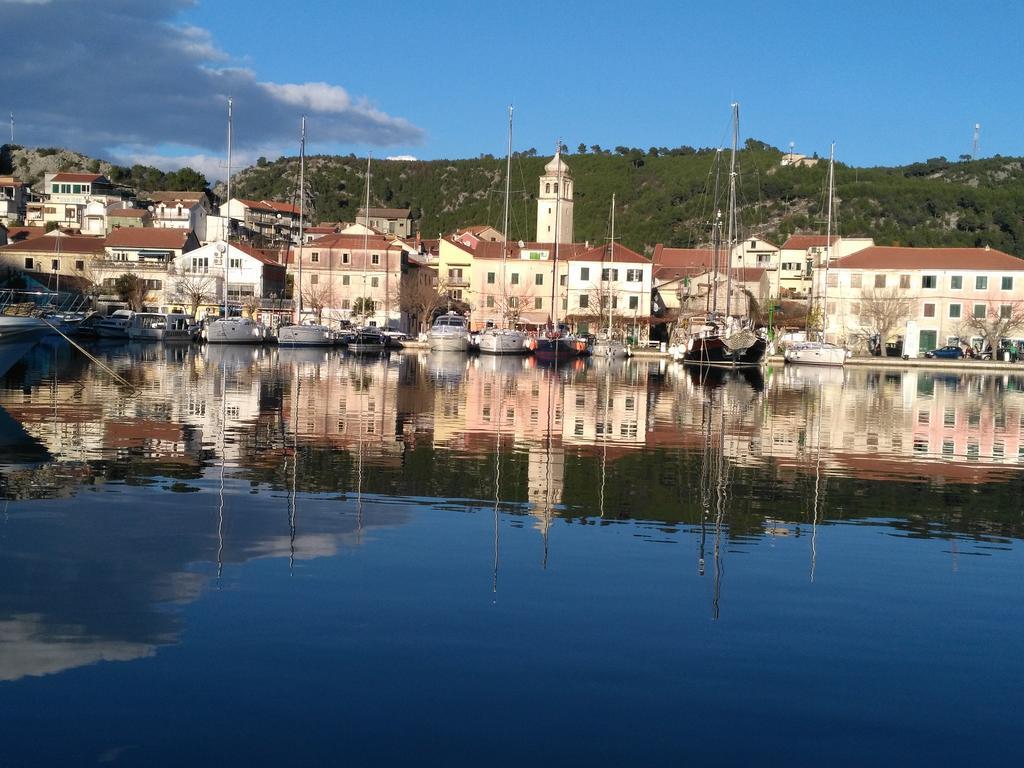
(668,197)
(663,195)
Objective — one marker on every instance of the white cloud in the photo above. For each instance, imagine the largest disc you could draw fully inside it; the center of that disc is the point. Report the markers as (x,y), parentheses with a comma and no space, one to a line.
(401,157)
(146,81)
(320,97)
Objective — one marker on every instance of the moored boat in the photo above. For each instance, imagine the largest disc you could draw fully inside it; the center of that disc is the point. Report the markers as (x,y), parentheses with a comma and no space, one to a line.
(368,341)
(304,336)
(449,333)
(233,330)
(114,325)
(502,341)
(156,326)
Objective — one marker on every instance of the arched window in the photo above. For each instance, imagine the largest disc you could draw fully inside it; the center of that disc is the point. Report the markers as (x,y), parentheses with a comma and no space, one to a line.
(547,188)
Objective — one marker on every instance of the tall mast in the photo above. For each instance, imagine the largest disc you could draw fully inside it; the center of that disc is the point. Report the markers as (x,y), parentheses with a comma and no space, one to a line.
(731,224)
(611,255)
(302,194)
(366,229)
(504,226)
(227,250)
(558,211)
(828,237)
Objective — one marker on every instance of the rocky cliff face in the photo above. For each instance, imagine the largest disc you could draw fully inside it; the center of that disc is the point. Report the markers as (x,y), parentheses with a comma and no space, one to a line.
(30,165)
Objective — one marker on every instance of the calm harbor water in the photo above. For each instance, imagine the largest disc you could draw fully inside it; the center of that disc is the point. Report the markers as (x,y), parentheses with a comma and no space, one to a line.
(260,556)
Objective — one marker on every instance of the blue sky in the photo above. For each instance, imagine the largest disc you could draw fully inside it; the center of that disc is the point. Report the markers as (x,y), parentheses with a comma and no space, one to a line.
(889,82)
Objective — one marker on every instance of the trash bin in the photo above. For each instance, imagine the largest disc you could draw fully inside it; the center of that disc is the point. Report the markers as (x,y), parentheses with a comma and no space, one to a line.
(1006,355)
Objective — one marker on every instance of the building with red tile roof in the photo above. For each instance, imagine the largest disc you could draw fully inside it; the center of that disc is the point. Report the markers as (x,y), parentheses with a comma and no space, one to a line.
(939,294)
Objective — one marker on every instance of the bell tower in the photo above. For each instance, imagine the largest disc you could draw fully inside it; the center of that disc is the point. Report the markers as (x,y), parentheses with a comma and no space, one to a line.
(554,202)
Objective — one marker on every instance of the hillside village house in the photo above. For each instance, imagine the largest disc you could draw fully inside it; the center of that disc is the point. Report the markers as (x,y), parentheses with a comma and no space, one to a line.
(40,260)
(937,290)
(338,270)
(180,210)
(67,196)
(389,221)
(13,200)
(144,252)
(800,255)
(196,279)
(126,218)
(262,222)
(686,282)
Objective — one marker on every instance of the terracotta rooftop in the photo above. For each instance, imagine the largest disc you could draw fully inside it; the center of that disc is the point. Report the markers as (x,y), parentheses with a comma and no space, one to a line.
(891,257)
(80,178)
(148,237)
(387,213)
(48,244)
(176,197)
(271,205)
(620,255)
(262,255)
(18,234)
(127,213)
(803,242)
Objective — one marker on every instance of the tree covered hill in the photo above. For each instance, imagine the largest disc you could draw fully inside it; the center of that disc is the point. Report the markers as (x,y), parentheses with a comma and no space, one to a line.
(662,195)
(668,195)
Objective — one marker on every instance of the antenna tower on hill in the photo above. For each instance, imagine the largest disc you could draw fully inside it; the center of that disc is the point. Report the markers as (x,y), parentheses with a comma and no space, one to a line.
(977,133)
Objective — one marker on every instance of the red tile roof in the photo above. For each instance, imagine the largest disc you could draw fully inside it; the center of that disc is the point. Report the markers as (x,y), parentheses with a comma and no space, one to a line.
(48,244)
(263,255)
(803,242)
(386,213)
(148,237)
(621,255)
(80,177)
(486,249)
(891,257)
(175,197)
(271,205)
(24,233)
(128,213)
(748,274)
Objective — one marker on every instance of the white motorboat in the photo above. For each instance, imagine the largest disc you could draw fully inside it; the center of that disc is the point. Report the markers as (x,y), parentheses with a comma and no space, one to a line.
(312,335)
(450,333)
(816,353)
(234,330)
(115,325)
(503,341)
(157,326)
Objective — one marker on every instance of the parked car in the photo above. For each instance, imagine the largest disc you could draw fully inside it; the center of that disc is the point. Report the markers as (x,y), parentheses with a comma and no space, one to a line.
(949,352)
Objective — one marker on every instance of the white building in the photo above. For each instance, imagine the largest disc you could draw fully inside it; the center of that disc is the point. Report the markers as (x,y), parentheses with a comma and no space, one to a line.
(181,210)
(937,291)
(200,273)
(601,275)
(554,204)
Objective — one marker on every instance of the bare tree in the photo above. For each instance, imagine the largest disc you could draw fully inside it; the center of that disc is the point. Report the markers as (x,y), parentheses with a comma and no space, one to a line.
(882,311)
(195,289)
(251,304)
(317,297)
(419,299)
(513,301)
(596,300)
(997,320)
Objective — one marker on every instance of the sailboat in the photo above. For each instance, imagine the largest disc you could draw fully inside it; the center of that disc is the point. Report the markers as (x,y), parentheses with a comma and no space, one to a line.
(606,345)
(715,340)
(227,329)
(504,341)
(297,334)
(557,344)
(821,352)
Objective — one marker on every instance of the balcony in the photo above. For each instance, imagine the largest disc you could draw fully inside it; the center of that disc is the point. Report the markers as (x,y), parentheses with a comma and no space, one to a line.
(457,282)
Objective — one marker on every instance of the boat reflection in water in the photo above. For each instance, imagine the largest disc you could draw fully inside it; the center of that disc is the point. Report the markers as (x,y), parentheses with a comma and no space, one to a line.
(359,509)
